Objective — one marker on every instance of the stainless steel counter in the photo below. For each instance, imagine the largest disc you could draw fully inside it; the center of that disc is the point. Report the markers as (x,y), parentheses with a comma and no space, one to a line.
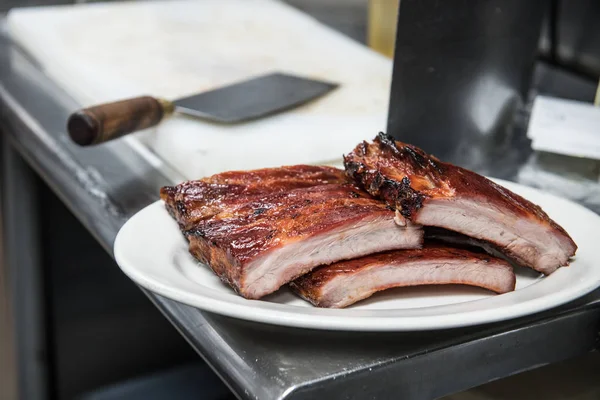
(104,186)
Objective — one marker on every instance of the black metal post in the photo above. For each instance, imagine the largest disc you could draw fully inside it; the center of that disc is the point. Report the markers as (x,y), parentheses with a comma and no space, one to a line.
(461,70)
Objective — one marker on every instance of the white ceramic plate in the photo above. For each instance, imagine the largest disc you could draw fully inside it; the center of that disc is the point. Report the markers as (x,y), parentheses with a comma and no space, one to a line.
(151,251)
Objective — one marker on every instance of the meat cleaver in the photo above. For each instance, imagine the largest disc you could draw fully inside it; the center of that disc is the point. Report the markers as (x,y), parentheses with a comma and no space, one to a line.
(244,101)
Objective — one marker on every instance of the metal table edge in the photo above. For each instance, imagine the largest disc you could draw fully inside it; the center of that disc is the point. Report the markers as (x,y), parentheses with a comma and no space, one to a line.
(17,123)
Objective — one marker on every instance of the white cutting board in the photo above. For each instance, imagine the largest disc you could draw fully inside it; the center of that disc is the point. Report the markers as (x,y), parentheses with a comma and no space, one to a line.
(108,51)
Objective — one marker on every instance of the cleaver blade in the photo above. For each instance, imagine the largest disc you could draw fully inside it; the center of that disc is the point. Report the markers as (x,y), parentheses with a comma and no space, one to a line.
(236,103)
(254,98)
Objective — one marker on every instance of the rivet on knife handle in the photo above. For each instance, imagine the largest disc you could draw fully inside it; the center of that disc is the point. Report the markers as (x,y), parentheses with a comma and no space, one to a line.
(109,121)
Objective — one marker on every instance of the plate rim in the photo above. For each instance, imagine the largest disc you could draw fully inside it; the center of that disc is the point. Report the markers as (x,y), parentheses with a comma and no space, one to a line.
(329,319)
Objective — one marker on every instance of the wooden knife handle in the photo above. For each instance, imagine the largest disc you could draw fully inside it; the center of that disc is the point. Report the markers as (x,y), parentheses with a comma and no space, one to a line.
(101,123)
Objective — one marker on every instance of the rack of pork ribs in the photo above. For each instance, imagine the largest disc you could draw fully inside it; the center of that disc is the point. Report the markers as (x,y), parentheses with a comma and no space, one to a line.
(396,216)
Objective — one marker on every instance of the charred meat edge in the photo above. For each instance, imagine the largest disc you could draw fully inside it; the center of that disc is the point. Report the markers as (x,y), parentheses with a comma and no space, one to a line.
(432,193)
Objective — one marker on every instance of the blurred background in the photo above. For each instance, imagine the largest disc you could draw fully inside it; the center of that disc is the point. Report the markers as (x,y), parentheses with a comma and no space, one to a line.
(569,37)
(86,359)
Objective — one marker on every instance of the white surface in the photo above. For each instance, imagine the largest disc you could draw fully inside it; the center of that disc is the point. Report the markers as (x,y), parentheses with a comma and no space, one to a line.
(565,127)
(108,51)
(151,250)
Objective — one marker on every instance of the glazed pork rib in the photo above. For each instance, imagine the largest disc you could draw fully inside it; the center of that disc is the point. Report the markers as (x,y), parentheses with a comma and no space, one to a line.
(258,230)
(433,193)
(344,283)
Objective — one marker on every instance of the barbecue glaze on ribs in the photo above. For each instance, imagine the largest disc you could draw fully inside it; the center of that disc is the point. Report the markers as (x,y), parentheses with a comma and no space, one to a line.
(433,193)
(194,201)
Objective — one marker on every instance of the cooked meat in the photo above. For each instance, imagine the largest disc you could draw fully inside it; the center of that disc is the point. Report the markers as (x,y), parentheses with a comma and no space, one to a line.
(433,193)
(193,201)
(258,234)
(346,282)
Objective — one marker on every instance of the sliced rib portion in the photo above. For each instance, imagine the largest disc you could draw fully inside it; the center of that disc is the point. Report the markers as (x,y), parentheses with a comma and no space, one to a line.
(259,237)
(433,193)
(344,283)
